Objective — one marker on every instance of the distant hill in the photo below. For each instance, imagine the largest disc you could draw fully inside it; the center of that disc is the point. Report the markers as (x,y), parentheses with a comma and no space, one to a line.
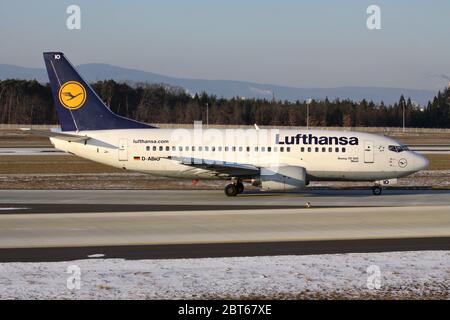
(227,88)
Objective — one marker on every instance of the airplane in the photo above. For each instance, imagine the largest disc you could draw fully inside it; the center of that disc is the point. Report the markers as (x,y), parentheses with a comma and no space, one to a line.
(278,160)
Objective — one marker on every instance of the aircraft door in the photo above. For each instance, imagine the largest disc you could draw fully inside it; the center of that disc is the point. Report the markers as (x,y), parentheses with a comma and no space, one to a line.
(123,149)
(368,151)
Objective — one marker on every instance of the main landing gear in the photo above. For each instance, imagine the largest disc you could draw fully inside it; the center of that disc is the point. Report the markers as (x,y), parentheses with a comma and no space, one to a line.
(377,190)
(233,189)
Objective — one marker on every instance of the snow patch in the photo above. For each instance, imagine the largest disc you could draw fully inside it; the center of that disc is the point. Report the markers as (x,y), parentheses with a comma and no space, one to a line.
(401,274)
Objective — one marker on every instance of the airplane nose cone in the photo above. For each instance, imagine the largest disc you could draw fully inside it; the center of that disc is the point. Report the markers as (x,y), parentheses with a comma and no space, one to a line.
(420,162)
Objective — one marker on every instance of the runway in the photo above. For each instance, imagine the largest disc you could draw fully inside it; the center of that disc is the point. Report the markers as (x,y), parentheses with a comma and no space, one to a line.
(216,198)
(49,225)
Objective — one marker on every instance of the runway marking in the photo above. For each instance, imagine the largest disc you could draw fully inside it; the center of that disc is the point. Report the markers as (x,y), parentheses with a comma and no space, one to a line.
(7,209)
(96,255)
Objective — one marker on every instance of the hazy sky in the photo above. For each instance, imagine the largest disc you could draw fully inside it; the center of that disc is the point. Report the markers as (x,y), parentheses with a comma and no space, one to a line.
(296,43)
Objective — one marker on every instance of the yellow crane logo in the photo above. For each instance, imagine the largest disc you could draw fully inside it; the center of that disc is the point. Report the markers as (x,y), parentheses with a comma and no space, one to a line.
(72,95)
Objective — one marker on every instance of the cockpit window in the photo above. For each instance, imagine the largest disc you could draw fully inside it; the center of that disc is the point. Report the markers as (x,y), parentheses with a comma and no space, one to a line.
(398,148)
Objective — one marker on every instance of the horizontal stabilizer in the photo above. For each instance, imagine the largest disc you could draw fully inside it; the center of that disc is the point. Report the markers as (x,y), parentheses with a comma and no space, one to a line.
(58,135)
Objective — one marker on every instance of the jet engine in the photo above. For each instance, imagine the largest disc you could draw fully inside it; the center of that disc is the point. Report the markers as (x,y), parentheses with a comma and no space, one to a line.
(282,178)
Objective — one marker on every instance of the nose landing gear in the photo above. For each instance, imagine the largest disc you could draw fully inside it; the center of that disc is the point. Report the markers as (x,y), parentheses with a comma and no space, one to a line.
(377,190)
(240,187)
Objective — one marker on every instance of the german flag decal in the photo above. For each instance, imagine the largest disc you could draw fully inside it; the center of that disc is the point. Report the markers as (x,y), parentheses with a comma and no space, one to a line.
(136,158)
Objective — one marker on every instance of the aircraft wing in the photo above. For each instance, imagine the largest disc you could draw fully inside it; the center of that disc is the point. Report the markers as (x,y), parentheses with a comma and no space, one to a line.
(58,135)
(219,168)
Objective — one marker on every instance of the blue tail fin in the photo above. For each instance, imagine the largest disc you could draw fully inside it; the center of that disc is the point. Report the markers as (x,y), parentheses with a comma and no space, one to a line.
(78,106)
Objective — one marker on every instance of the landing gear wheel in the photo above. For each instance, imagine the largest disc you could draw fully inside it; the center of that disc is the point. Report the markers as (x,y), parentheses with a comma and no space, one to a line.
(240,187)
(231,190)
(377,190)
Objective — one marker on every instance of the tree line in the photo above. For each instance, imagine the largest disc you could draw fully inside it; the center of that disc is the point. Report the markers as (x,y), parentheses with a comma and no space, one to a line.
(30,102)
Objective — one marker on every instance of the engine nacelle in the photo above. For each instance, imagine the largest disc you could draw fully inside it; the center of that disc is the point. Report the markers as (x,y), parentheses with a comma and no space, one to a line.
(283,178)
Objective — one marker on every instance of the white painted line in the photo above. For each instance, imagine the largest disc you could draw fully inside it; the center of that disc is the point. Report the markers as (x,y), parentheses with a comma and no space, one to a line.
(96,255)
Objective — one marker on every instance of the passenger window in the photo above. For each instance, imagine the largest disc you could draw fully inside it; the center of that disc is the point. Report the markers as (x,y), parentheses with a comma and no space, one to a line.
(193,148)
(269,149)
(256,149)
(330,149)
(154,148)
(240,149)
(174,148)
(281,149)
(200,148)
(309,149)
(316,149)
(206,148)
(219,148)
(213,148)
(160,148)
(288,149)
(233,148)
(147,148)
(186,148)
(248,149)
(324,149)
(180,148)
(275,149)
(263,149)
(343,149)
(336,149)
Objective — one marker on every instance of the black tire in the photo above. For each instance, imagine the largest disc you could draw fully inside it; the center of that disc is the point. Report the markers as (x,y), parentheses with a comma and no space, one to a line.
(377,190)
(240,187)
(231,190)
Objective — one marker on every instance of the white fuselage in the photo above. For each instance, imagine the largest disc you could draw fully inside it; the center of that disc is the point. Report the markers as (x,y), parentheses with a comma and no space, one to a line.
(326,155)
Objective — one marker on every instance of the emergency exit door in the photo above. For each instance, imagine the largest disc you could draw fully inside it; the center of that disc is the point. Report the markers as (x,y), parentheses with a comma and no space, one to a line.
(123,149)
(368,151)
